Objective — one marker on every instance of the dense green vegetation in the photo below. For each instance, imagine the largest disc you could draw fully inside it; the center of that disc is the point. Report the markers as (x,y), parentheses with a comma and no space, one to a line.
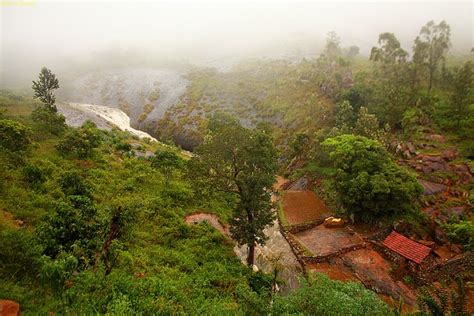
(103,232)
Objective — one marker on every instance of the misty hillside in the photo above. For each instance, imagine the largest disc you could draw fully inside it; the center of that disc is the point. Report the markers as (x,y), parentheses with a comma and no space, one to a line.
(254,158)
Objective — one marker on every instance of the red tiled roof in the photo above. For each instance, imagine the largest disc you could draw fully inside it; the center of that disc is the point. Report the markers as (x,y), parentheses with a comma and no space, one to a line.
(406,247)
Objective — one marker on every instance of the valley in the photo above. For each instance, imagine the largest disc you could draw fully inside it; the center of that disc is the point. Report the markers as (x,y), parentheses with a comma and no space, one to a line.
(236,159)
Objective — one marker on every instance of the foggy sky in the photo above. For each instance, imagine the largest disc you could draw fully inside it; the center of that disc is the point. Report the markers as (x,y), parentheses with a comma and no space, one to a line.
(50,33)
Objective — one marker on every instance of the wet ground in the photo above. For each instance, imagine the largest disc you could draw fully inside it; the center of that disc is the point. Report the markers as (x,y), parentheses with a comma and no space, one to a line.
(322,241)
(303,206)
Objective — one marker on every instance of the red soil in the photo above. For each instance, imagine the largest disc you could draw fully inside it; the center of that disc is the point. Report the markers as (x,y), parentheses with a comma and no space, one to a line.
(8,219)
(374,271)
(303,206)
(334,271)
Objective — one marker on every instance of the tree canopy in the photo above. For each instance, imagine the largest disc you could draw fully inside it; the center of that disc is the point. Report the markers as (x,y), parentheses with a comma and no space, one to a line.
(368,183)
(431,47)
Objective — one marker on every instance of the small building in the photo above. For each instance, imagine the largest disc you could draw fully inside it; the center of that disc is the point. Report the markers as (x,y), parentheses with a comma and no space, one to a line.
(406,247)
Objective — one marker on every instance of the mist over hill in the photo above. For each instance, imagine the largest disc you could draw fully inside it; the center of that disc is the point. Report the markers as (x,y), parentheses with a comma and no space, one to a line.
(73,36)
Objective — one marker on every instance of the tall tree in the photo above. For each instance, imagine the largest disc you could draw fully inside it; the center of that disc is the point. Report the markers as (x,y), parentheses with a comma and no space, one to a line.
(389,51)
(390,89)
(463,94)
(352,51)
(243,163)
(431,47)
(44,88)
(333,45)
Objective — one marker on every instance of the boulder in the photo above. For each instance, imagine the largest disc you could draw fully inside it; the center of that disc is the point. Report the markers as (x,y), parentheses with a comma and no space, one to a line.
(440,235)
(411,147)
(430,188)
(450,154)
(333,222)
(299,185)
(428,158)
(457,249)
(437,138)
(457,211)
(437,166)
(9,308)
(406,154)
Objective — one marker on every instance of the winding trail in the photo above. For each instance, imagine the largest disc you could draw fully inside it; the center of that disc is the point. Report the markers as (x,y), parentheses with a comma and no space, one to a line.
(212,219)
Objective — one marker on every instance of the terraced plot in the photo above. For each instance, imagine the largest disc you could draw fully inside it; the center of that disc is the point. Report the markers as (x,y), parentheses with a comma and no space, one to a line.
(303,206)
(322,241)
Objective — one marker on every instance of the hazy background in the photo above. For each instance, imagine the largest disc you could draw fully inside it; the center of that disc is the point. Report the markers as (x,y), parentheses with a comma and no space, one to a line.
(72,36)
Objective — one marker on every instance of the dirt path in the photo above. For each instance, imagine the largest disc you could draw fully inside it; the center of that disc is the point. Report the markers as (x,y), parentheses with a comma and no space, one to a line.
(212,219)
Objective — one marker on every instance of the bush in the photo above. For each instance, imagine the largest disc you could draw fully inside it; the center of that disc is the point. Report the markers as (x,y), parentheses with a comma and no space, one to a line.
(48,120)
(413,121)
(462,233)
(320,295)
(72,183)
(166,162)
(73,228)
(14,136)
(19,252)
(33,175)
(80,143)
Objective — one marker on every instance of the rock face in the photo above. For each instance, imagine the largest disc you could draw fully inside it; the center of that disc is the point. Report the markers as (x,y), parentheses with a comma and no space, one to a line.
(430,188)
(406,150)
(9,308)
(301,184)
(450,154)
(131,90)
(104,117)
(374,272)
(436,138)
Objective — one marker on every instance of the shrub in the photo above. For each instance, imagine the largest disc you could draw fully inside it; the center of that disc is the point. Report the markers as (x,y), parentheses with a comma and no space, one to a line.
(73,227)
(19,252)
(14,136)
(72,183)
(462,233)
(166,162)
(49,120)
(33,175)
(320,295)
(80,143)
